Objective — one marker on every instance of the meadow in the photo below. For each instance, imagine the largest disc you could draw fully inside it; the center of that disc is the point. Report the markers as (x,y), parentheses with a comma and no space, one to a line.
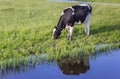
(26,29)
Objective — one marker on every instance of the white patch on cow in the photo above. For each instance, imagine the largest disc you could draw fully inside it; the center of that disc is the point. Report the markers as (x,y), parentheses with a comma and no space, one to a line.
(53,32)
(73,13)
(87,24)
(85,5)
(69,8)
(78,22)
(72,8)
(62,13)
(67,27)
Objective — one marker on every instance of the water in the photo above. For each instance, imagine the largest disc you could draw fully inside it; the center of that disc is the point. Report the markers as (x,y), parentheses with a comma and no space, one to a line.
(104,65)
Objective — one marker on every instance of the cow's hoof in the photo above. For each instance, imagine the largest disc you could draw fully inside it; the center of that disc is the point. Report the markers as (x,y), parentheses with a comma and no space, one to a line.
(88,35)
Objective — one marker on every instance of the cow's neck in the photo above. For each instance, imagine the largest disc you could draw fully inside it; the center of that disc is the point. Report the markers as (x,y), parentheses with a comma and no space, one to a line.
(61,24)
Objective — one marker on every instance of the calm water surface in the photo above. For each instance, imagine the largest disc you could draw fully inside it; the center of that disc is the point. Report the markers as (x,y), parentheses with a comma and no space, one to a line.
(100,66)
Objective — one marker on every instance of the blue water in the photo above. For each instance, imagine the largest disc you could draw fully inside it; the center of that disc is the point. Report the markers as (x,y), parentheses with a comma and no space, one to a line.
(100,66)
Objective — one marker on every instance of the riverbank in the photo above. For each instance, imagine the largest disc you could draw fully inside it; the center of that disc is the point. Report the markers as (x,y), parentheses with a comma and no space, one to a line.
(84,67)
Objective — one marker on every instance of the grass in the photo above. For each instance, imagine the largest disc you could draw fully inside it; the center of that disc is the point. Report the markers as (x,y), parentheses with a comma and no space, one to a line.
(26,28)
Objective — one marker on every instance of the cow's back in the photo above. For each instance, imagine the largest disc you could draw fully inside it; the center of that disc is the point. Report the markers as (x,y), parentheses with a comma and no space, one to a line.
(80,13)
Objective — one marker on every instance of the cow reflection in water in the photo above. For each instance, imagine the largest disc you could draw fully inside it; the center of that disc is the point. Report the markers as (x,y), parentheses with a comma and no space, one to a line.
(74,66)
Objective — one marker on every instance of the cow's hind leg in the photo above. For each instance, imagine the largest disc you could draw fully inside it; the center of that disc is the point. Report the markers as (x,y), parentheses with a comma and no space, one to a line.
(87,28)
(87,25)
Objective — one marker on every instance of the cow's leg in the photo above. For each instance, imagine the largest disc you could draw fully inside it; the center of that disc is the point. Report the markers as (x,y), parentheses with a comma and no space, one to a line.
(87,28)
(70,35)
(87,25)
(70,30)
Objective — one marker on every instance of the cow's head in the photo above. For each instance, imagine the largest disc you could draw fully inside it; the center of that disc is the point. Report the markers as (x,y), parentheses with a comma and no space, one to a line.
(56,33)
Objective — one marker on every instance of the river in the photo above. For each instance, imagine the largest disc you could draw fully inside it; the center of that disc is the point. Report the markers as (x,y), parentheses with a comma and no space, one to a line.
(104,65)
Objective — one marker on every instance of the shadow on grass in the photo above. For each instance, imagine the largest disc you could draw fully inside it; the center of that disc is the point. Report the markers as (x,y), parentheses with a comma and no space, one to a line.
(105,28)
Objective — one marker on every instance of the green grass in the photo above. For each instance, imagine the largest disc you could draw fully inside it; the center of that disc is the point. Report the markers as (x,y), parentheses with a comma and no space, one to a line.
(26,28)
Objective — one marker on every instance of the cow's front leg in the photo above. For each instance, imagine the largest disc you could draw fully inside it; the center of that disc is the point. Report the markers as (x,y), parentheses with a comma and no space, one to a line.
(70,30)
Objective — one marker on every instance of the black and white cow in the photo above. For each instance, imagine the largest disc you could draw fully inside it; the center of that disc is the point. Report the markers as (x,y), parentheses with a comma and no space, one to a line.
(73,15)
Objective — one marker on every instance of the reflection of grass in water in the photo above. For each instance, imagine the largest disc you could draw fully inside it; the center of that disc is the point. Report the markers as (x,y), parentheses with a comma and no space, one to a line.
(26,28)
(21,62)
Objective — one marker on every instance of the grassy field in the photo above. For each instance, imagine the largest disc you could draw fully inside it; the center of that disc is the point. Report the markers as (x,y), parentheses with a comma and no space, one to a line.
(26,28)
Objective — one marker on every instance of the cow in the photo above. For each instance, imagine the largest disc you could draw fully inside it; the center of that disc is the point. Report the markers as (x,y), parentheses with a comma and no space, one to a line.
(70,16)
